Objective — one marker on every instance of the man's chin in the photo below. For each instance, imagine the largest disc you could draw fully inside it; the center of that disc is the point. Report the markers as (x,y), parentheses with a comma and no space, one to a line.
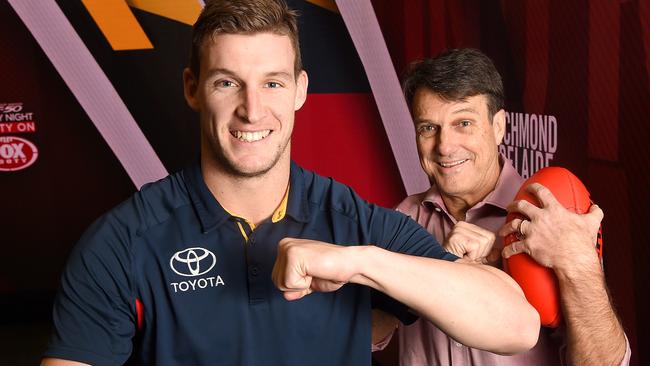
(248,165)
(249,172)
(451,187)
(250,169)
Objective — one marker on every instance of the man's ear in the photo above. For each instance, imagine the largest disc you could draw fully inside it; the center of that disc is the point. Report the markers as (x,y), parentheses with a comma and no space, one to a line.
(499,126)
(302,81)
(190,88)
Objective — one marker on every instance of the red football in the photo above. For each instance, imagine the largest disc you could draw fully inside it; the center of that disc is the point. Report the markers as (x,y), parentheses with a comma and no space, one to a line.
(538,282)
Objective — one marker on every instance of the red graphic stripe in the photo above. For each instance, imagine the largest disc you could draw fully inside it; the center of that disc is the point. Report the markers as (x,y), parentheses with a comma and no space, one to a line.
(139,312)
(341,135)
(361,22)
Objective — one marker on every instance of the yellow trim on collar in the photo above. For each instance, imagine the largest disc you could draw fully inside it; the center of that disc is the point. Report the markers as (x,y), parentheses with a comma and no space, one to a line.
(243,232)
(278,215)
(250,224)
(282,208)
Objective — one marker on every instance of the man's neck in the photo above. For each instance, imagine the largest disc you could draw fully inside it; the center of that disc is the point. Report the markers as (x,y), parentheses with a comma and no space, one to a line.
(457,206)
(252,198)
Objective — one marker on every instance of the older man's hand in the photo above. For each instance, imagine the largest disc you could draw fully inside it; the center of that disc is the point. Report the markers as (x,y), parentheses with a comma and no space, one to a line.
(472,243)
(554,236)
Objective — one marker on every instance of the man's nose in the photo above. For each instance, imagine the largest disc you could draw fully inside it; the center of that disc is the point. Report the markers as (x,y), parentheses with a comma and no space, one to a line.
(251,107)
(446,142)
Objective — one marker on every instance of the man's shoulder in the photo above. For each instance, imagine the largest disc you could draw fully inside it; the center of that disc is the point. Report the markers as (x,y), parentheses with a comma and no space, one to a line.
(328,194)
(153,204)
(410,204)
(165,194)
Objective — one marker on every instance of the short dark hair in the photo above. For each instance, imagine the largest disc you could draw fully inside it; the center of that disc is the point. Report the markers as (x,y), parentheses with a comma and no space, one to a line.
(456,75)
(244,17)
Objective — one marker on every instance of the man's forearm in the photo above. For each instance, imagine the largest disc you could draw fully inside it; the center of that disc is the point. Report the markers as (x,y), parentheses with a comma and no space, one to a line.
(594,334)
(467,301)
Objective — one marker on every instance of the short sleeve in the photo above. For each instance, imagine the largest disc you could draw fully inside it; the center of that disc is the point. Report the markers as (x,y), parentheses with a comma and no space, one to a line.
(93,313)
(628,353)
(394,231)
(397,232)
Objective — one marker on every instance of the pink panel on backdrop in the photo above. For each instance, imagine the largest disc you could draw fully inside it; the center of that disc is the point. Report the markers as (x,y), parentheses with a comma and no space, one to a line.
(362,24)
(604,35)
(347,126)
(92,88)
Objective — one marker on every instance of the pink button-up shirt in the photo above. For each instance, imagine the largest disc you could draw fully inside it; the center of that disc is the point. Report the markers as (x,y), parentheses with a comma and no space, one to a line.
(422,343)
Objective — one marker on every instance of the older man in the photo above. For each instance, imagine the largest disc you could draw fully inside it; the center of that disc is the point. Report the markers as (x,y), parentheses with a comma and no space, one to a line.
(456,101)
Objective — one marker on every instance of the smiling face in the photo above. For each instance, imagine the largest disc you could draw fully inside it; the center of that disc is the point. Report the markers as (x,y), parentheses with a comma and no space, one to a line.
(457,144)
(246,95)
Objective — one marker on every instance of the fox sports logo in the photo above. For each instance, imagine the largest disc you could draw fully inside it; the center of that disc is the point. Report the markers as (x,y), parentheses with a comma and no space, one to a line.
(192,261)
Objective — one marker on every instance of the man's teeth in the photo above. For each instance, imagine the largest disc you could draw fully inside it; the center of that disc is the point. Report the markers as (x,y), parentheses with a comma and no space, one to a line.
(251,136)
(452,164)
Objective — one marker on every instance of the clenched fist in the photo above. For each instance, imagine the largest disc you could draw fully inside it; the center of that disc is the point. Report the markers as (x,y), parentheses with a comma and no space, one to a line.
(472,243)
(304,266)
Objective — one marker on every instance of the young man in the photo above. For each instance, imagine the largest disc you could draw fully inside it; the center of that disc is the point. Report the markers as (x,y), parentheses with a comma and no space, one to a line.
(457,102)
(181,273)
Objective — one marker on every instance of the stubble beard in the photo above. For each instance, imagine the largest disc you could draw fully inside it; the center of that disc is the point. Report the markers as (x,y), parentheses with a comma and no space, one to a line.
(231,168)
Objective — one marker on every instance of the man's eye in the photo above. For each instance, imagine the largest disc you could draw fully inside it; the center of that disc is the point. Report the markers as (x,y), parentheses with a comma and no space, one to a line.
(225,83)
(273,85)
(465,123)
(427,130)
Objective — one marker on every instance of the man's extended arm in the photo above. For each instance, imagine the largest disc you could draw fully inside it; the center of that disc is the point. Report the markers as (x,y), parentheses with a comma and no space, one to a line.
(565,241)
(467,301)
(60,362)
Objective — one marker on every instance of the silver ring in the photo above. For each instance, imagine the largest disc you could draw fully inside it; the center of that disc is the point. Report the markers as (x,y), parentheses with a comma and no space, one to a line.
(520,234)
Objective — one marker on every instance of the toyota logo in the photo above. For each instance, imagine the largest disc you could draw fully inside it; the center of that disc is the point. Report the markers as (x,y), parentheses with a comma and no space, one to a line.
(192,262)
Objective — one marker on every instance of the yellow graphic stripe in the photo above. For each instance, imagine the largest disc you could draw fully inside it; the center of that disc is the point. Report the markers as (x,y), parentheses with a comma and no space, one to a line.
(184,11)
(117,23)
(327,4)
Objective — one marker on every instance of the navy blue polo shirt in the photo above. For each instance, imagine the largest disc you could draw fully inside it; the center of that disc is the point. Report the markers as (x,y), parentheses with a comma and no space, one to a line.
(205,283)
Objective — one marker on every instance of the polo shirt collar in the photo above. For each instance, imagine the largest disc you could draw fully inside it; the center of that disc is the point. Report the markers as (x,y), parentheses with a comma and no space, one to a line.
(298,205)
(210,212)
(504,192)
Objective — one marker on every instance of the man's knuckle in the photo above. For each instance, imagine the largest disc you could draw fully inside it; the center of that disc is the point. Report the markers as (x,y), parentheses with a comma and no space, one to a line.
(543,191)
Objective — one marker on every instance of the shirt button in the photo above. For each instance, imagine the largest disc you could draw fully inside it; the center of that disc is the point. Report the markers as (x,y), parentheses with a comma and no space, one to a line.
(458,344)
(254,270)
(437,209)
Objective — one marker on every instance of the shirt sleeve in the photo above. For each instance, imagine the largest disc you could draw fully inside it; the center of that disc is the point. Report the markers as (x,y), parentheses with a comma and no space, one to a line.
(94,311)
(628,353)
(394,231)
(397,232)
